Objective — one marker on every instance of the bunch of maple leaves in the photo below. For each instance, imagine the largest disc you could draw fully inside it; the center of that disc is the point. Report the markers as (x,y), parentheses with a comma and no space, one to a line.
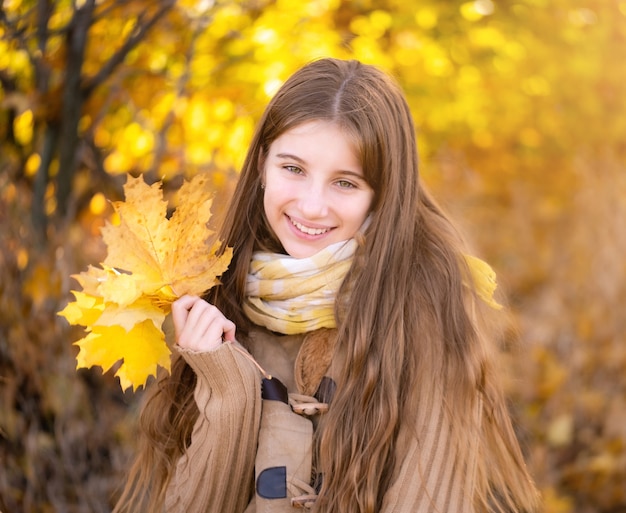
(151,261)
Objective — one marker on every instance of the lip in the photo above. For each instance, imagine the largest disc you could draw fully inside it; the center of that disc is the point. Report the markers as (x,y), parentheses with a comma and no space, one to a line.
(293,222)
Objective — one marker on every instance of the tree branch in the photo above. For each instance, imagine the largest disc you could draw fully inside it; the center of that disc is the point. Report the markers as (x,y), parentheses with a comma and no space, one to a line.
(42,69)
(72,103)
(118,57)
(103,11)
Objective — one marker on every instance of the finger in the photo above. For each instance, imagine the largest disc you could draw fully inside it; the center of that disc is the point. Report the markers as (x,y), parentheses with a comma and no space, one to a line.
(198,326)
(201,309)
(229,329)
(205,327)
(209,329)
(180,312)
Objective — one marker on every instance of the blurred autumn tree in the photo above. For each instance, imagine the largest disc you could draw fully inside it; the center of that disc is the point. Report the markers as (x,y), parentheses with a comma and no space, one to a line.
(521,111)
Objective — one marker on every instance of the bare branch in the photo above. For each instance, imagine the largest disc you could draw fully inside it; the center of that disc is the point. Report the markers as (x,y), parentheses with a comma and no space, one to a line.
(16,32)
(104,11)
(14,23)
(20,30)
(118,57)
(72,102)
(42,70)
(44,10)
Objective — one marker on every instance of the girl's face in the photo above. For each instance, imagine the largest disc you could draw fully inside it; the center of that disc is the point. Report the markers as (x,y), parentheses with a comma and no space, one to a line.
(315,192)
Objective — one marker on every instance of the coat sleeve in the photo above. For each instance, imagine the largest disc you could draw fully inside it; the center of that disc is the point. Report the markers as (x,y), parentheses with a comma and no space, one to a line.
(430,474)
(216,473)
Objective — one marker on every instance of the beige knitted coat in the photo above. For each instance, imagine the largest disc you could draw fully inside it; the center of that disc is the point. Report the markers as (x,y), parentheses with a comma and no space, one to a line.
(217,473)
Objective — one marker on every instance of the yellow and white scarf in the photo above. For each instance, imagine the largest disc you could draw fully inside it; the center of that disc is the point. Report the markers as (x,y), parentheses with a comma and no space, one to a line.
(296,295)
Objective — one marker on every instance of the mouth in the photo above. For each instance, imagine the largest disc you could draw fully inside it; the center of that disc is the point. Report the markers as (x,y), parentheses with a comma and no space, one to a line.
(307,229)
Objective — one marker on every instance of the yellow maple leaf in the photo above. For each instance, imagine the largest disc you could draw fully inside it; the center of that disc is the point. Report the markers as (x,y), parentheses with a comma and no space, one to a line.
(127,316)
(111,285)
(151,261)
(141,349)
(165,252)
(85,310)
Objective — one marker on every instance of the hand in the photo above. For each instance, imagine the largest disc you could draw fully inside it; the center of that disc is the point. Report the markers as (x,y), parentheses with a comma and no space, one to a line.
(200,326)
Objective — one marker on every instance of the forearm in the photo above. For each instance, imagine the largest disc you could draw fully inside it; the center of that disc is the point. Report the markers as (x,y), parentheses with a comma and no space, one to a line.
(216,472)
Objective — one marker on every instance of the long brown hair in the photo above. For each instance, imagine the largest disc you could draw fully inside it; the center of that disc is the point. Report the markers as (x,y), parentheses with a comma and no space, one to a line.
(407,323)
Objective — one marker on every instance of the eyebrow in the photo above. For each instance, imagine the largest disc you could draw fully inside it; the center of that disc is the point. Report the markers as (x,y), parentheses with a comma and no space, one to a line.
(302,161)
(290,156)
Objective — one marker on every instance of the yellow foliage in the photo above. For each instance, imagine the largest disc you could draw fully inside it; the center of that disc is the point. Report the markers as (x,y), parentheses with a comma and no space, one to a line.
(151,261)
(561,430)
(32,164)
(555,503)
(426,17)
(23,127)
(98,204)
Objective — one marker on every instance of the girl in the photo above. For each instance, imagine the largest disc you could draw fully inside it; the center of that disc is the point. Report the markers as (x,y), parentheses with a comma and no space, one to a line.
(349,287)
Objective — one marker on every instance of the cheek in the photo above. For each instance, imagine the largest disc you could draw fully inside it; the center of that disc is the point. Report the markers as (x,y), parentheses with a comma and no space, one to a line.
(357,216)
(367,206)
(272,201)
(361,219)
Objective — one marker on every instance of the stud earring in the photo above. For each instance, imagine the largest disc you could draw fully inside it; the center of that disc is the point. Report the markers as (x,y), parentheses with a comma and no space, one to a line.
(263,186)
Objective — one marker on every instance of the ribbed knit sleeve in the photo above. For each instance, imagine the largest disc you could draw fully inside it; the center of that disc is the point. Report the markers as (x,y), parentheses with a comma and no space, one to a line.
(216,474)
(430,476)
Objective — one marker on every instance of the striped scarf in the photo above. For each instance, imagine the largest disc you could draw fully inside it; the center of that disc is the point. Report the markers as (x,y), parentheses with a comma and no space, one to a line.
(296,295)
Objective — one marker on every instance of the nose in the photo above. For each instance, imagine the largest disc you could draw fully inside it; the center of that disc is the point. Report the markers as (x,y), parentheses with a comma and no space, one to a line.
(313,201)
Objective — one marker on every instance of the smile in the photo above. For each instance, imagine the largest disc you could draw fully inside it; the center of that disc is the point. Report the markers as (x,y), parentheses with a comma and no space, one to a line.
(307,230)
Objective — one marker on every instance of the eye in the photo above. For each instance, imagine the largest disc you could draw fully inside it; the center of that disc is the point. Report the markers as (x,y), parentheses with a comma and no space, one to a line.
(293,169)
(345,184)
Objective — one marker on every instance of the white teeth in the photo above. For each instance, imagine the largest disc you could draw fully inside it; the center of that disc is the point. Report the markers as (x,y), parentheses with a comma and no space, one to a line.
(307,230)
